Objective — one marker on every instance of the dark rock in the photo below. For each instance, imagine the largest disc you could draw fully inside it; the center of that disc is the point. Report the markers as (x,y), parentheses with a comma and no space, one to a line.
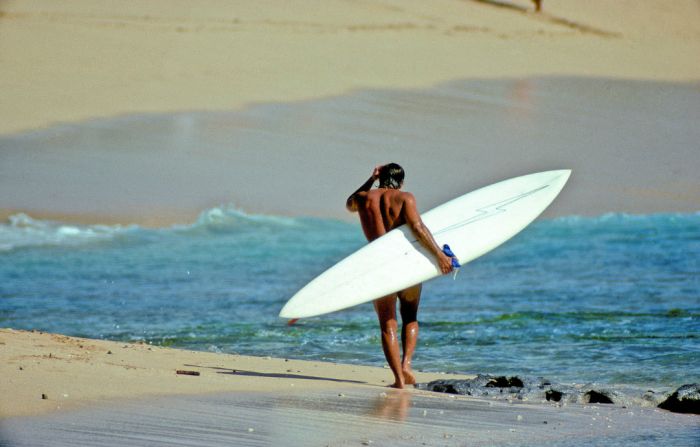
(444,386)
(505,382)
(597,397)
(685,399)
(553,395)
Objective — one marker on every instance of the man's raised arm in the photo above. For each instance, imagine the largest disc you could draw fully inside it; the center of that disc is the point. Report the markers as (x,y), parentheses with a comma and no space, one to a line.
(351,203)
(423,234)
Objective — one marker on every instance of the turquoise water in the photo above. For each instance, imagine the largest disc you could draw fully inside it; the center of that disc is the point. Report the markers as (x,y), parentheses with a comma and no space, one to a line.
(612,299)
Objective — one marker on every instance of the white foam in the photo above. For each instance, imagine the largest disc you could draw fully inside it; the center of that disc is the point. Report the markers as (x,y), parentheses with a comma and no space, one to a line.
(225,215)
(21,231)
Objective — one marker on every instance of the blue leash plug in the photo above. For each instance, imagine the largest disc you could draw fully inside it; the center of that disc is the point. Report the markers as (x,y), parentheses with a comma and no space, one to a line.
(455,263)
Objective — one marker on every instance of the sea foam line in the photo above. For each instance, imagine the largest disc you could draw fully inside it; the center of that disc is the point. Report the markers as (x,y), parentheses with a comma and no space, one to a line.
(23,231)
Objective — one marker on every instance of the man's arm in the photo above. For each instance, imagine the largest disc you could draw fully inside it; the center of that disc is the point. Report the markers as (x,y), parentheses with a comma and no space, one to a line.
(351,203)
(423,234)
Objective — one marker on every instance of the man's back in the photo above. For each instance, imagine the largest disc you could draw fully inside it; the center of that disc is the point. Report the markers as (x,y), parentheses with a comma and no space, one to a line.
(387,207)
(381,210)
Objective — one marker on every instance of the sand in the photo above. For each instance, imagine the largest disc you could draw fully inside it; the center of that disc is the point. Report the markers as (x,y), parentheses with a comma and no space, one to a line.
(60,390)
(71,61)
(73,372)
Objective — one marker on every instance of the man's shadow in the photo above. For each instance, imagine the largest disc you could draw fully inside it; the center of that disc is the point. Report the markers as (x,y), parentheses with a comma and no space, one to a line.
(240,372)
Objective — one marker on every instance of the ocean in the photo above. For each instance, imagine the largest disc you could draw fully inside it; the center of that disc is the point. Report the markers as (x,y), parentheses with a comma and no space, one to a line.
(611,299)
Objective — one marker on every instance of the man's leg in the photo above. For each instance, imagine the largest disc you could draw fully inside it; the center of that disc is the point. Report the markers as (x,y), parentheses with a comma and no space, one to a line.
(386,312)
(409,299)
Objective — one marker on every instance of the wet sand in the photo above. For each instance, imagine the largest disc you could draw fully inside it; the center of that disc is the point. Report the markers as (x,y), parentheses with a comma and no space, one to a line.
(349,417)
(632,145)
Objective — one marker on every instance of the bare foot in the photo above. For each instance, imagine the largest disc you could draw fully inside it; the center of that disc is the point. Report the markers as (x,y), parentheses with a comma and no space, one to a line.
(397,385)
(408,377)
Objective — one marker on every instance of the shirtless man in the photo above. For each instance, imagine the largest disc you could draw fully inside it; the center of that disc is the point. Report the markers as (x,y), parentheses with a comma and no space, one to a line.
(381,210)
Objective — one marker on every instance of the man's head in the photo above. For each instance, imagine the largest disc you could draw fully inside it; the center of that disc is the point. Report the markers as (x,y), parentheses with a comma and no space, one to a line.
(391,176)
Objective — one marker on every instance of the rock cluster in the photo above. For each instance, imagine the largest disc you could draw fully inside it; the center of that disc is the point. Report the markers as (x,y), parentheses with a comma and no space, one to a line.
(685,400)
(522,388)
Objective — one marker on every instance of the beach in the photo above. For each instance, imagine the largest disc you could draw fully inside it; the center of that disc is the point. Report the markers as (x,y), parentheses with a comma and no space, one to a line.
(172,172)
(65,390)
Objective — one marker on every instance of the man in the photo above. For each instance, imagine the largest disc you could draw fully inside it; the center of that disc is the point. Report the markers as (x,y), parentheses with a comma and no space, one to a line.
(380,211)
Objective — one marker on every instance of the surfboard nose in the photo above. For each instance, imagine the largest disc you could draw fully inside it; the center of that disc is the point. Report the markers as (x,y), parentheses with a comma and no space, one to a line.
(560,177)
(566,173)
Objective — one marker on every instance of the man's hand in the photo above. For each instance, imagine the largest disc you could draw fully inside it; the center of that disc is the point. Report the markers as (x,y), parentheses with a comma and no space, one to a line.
(444,263)
(376,171)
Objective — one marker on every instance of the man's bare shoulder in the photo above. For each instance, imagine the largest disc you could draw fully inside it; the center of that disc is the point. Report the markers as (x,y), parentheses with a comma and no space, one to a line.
(406,197)
(362,195)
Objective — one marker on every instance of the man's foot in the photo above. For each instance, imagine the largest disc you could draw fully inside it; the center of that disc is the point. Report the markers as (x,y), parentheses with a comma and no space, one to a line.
(408,377)
(397,385)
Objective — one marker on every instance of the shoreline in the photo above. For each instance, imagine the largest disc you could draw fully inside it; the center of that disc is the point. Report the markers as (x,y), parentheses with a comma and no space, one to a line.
(49,372)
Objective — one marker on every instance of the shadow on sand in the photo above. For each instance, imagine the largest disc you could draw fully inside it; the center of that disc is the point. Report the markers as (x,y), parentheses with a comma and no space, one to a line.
(239,372)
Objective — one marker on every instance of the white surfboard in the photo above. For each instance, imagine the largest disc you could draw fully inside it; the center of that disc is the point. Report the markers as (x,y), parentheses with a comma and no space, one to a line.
(472,225)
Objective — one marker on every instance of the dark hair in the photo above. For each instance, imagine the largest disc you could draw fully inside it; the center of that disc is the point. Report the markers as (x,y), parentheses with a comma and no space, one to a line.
(391,176)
